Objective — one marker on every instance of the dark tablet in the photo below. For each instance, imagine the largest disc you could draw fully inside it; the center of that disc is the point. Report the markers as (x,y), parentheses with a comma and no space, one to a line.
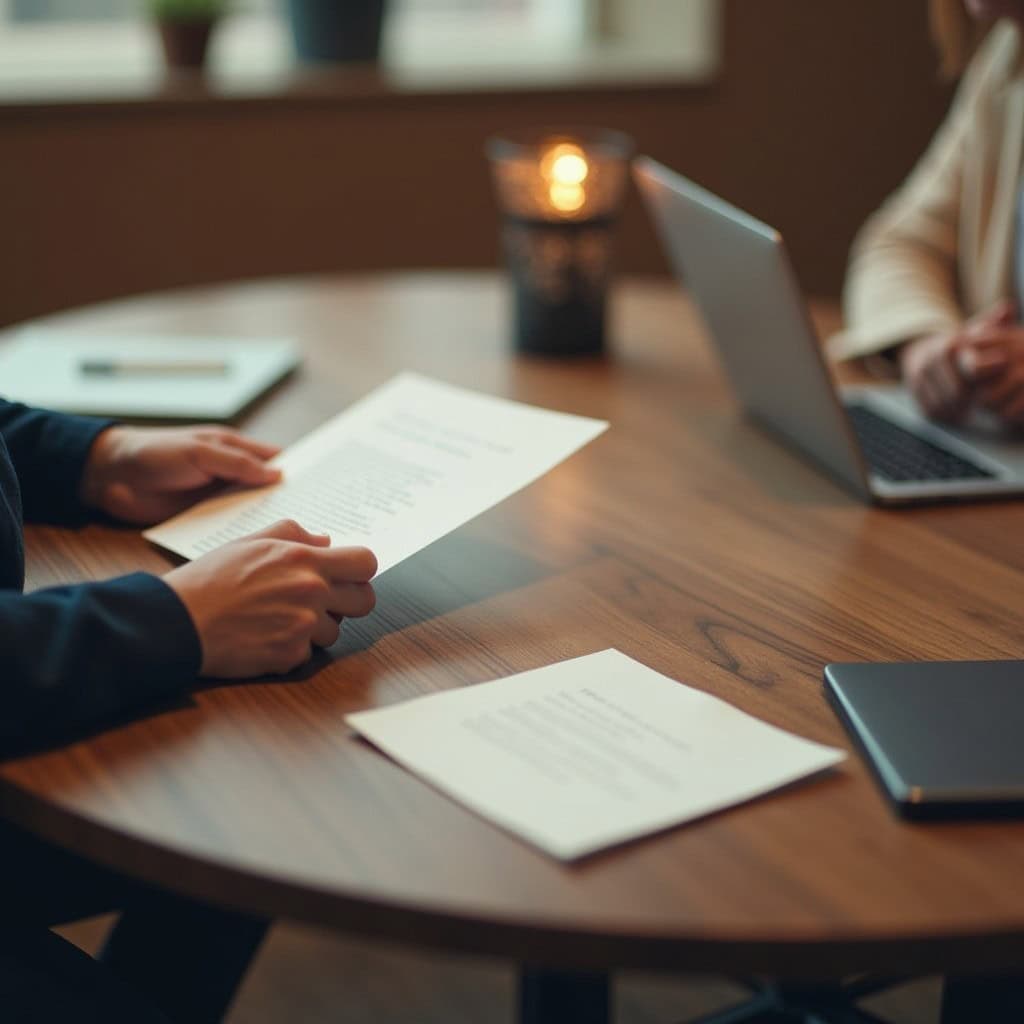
(945,738)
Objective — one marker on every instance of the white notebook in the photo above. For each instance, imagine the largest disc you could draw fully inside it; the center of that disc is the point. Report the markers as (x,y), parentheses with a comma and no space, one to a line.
(141,376)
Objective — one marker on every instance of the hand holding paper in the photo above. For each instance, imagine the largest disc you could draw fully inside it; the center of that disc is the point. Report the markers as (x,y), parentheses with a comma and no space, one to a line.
(394,472)
(261,604)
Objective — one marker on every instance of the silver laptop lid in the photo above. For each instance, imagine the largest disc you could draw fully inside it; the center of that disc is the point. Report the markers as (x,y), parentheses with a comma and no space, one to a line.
(737,271)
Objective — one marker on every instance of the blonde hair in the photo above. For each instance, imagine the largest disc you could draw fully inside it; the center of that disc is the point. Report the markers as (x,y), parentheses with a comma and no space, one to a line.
(954,32)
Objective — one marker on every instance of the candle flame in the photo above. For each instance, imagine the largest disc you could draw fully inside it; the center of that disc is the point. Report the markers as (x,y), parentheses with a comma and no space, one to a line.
(564,167)
(566,198)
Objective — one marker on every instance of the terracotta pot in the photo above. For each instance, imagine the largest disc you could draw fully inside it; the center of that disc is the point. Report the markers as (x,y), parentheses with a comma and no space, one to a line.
(185,42)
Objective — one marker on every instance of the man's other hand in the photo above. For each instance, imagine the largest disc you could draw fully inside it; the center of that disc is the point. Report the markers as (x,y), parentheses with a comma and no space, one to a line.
(262,603)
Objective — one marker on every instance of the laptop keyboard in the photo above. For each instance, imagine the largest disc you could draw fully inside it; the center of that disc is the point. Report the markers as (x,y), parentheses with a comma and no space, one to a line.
(898,455)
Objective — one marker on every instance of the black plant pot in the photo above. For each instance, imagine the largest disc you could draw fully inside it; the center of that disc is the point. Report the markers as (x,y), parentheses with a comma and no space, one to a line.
(185,43)
(337,30)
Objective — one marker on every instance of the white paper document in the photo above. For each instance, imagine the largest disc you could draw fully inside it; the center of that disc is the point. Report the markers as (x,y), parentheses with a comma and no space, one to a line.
(396,471)
(50,368)
(588,753)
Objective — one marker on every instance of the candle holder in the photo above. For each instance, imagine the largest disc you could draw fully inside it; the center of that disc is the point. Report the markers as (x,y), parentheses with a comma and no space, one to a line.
(560,193)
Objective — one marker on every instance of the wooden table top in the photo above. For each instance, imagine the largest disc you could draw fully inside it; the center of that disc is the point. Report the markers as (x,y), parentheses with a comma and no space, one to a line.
(684,537)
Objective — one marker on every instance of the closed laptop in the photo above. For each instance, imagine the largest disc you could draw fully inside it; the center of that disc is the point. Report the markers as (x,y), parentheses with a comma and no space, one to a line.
(944,739)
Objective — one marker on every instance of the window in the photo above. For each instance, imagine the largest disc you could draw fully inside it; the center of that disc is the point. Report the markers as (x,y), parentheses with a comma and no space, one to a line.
(70,10)
(91,48)
(24,11)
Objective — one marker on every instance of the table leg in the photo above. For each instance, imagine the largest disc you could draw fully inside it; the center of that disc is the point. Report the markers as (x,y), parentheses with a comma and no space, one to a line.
(782,1004)
(982,1000)
(554,997)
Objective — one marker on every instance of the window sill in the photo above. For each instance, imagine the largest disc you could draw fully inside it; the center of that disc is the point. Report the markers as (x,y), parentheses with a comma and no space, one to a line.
(254,62)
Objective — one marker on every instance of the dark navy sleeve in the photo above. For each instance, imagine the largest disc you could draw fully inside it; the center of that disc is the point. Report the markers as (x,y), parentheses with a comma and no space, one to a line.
(73,658)
(48,451)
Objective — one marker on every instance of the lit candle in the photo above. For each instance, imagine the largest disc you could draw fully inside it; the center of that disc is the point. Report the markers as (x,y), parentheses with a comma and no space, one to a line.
(560,193)
(563,170)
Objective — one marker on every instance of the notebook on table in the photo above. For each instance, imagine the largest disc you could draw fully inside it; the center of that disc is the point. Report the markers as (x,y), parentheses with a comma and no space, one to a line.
(944,739)
(142,376)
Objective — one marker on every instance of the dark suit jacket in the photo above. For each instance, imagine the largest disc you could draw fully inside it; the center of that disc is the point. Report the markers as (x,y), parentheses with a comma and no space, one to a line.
(72,657)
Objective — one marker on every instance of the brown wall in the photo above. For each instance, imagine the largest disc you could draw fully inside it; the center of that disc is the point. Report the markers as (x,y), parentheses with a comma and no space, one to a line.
(820,108)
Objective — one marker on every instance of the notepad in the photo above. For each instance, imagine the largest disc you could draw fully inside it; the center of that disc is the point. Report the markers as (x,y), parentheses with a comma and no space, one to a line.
(58,370)
(589,753)
(394,472)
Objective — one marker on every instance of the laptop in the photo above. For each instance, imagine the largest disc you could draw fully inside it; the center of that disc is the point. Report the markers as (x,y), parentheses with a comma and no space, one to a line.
(942,738)
(871,438)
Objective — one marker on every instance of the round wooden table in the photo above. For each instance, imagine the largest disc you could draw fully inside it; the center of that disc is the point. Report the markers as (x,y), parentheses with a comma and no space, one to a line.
(686,538)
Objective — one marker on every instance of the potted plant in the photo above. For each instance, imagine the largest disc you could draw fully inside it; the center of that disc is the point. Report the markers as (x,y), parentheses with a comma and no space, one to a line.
(185,28)
(337,31)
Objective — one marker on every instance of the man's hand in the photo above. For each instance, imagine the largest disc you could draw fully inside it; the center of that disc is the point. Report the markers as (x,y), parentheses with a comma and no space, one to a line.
(262,603)
(945,371)
(145,474)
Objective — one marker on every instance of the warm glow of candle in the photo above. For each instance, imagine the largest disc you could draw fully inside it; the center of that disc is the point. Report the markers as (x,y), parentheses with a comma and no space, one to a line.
(564,169)
(566,198)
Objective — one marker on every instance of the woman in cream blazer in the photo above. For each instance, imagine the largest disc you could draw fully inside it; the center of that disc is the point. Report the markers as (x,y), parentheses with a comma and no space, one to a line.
(932,278)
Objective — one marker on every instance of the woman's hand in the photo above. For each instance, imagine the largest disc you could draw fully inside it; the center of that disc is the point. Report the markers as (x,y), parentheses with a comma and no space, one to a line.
(143,475)
(931,372)
(946,372)
(992,359)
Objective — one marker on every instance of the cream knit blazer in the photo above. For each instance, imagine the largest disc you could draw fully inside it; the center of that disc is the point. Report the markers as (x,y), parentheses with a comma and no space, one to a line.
(941,248)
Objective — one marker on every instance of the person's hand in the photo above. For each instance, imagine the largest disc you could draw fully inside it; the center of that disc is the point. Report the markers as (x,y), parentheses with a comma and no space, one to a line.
(262,603)
(991,358)
(943,370)
(145,474)
(929,368)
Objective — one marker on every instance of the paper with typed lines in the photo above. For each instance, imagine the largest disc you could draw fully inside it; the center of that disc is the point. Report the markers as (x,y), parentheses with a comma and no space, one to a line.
(394,472)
